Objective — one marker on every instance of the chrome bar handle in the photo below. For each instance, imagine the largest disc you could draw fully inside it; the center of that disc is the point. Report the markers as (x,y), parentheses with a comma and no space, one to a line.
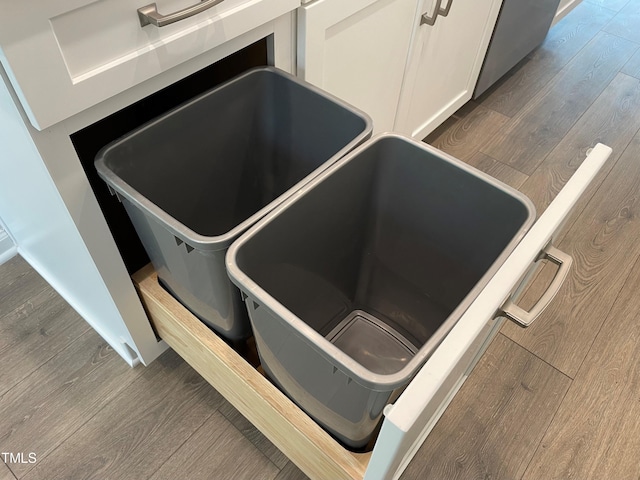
(521,316)
(149,15)
(427,20)
(445,11)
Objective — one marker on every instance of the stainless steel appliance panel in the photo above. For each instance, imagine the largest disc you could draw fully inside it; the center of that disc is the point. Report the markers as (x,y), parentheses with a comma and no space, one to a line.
(521,27)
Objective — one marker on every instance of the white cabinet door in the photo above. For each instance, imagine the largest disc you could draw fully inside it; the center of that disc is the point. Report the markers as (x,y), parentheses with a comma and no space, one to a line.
(357,51)
(444,62)
(409,420)
(64,56)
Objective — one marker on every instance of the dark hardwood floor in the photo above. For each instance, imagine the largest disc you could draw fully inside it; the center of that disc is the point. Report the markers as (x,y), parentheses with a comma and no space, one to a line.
(558,400)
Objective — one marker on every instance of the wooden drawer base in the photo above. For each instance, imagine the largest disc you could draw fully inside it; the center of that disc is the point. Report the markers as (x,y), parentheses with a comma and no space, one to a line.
(313,450)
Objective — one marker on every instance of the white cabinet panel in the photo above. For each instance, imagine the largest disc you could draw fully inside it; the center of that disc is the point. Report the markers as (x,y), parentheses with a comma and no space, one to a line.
(444,62)
(65,56)
(33,208)
(409,420)
(357,51)
(7,247)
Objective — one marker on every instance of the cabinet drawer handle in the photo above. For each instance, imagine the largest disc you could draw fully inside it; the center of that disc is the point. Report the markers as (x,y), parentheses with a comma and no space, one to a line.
(521,316)
(445,11)
(149,13)
(427,20)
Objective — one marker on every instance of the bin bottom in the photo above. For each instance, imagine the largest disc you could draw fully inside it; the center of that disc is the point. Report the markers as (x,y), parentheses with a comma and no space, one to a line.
(372,343)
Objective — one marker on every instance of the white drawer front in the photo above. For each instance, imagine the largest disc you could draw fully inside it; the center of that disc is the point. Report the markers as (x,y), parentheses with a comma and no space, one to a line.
(410,418)
(65,56)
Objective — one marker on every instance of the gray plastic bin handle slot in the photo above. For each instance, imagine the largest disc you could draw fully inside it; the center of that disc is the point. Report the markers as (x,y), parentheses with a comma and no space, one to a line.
(179,242)
(521,316)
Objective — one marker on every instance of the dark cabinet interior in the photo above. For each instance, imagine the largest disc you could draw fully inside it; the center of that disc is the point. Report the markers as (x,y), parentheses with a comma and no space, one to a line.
(88,141)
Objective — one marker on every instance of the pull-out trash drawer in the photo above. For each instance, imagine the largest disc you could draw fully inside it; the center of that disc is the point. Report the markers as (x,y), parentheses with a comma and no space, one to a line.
(354,282)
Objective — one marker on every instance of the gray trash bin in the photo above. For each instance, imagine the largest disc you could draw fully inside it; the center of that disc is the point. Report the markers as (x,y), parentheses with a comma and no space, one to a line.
(195,178)
(353,282)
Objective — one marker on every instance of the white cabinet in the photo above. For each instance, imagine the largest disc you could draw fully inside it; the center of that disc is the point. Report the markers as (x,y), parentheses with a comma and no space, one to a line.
(58,224)
(65,56)
(444,61)
(357,51)
(386,58)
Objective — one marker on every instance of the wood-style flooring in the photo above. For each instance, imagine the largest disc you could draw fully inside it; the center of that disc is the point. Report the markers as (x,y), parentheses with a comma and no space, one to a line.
(558,400)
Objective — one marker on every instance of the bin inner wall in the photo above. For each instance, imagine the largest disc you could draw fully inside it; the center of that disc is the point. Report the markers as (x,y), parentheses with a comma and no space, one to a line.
(217,160)
(396,233)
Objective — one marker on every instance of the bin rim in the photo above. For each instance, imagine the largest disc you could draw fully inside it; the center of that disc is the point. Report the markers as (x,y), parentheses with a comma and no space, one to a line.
(341,360)
(222,241)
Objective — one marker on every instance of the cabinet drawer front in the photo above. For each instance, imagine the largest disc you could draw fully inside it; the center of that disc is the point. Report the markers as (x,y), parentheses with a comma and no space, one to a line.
(410,418)
(65,56)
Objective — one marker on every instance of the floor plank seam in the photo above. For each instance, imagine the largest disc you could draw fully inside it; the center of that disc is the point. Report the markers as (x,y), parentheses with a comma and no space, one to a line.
(571,221)
(10,470)
(4,316)
(502,163)
(621,37)
(510,166)
(2,394)
(635,262)
(273,463)
(538,99)
(629,75)
(82,424)
(492,109)
(88,331)
(503,80)
(41,458)
(532,353)
(604,7)
(60,445)
(555,413)
(181,444)
(269,457)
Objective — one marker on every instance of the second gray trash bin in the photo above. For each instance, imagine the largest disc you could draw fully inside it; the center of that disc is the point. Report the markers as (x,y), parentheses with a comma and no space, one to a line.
(197,177)
(353,282)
